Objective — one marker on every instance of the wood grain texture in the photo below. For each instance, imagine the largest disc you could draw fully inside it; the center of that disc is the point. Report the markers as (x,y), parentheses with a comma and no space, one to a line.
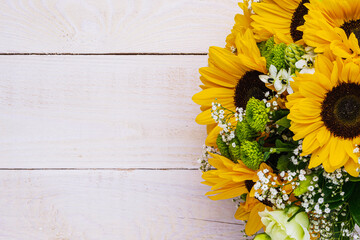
(99,111)
(92,205)
(92,26)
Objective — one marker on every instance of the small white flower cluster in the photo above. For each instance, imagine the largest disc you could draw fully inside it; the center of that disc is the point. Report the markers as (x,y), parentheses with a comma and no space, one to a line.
(272,105)
(271,191)
(203,160)
(221,116)
(337,178)
(322,218)
(240,114)
(309,203)
(306,64)
(227,135)
(313,201)
(296,159)
(323,224)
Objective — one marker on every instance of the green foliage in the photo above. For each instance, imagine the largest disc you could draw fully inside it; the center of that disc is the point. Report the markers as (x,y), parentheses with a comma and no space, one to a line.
(354,179)
(283,162)
(332,197)
(303,187)
(354,204)
(277,115)
(281,144)
(284,122)
(266,156)
(346,219)
(223,147)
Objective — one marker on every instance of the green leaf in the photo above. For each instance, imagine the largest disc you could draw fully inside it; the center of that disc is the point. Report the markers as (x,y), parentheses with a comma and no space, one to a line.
(335,204)
(354,179)
(354,204)
(279,114)
(261,141)
(283,162)
(284,122)
(348,188)
(280,144)
(266,156)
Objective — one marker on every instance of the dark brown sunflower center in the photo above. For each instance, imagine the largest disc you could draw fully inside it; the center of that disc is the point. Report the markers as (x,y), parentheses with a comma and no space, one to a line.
(249,184)
(341,110)
(249,86)
(298,20)
(352,26)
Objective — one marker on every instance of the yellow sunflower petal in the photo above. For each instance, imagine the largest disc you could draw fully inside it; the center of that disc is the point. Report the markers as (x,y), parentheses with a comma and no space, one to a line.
(338,156)
(275,18)
(208,96)
(254,223)
(317,122)
(323,135)
(351,167)
(325,24)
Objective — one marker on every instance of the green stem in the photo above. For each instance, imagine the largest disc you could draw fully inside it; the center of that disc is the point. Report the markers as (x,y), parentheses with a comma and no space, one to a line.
(267,149)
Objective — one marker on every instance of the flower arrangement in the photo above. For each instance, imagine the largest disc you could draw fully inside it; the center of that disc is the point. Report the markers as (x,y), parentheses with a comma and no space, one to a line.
(281,103)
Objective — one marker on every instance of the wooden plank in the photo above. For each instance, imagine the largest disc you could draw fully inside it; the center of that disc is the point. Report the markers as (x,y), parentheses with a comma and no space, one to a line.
(125,26)
(99,111)
(96,205)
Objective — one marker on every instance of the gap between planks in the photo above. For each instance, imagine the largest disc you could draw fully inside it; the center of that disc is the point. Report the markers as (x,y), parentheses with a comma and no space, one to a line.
(105,54)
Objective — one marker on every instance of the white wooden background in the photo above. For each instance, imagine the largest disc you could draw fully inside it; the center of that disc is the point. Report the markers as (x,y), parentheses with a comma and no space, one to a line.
(97,131)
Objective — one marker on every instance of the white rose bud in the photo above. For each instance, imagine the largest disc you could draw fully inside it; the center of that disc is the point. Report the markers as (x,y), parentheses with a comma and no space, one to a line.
(278,226)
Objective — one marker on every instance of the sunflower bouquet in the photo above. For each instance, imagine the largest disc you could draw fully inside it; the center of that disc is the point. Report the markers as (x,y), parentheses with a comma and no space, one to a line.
(281,102)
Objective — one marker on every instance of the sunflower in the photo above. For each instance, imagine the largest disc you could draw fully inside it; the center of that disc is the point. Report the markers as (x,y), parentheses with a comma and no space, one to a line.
(249,211)
(231,79)
(280,18)
(242,22)
(229,179)
(333,25)
(325,112)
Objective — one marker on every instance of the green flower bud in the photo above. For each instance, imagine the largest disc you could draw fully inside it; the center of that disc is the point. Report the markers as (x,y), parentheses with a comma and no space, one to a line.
(293,53)
(256,114)
(277,57)
(251,154)
(243,131)
(223,147)
(262,236)
(266,47)
(234,149)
